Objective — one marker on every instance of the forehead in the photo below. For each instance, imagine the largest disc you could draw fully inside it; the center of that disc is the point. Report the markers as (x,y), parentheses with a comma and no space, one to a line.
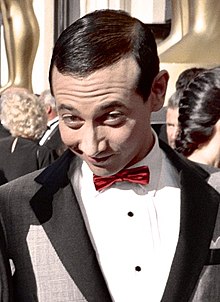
(122,75)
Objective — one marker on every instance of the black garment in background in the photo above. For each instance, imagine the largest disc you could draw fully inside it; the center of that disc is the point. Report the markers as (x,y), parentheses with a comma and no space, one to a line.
(161,131)
(27,157)
(3,132)
(158,123)
(54,143)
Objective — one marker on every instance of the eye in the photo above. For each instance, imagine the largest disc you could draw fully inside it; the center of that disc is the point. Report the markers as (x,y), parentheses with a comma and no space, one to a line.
(114,118)
(72,121)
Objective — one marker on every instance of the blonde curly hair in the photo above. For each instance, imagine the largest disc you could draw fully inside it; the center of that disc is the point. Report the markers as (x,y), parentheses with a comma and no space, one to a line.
(23,115)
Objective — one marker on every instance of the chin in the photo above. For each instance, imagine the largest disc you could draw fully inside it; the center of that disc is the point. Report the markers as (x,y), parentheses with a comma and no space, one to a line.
(101,171)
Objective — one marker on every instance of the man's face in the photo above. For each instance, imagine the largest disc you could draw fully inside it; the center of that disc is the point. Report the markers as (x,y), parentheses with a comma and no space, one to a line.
(172,125)
(102,118)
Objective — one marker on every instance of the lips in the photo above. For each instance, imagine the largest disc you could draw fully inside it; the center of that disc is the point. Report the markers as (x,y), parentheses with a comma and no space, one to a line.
(98,160)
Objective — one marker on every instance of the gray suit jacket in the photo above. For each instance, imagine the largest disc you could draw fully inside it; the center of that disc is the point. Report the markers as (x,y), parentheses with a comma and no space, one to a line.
(54,257)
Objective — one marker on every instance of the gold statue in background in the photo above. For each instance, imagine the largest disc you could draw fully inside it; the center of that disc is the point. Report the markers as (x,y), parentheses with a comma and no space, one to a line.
(179,25)
(199,47)
(21,34)
(202,42)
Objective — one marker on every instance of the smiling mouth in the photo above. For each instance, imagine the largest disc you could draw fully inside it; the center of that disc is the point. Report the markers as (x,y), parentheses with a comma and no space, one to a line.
(98,160)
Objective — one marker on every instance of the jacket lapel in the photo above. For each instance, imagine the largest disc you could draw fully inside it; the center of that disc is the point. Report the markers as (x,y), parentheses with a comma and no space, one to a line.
(59,212)
(199,207)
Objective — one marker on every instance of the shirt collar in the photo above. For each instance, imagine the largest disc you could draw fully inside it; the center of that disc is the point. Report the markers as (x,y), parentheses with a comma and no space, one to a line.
(153,160)
(53,121)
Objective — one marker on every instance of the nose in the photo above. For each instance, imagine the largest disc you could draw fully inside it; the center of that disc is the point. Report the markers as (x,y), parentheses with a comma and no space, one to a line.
(92,141)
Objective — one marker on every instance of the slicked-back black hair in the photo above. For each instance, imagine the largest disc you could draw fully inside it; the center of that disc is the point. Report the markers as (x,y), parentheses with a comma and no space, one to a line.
(102,38)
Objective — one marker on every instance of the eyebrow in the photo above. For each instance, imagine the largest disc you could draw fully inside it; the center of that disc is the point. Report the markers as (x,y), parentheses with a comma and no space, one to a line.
(66,107)
(102,107)
(112,105)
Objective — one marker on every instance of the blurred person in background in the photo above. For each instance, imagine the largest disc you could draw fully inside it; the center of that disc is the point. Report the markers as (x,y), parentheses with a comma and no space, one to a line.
(52,118)
(199,119)
(12,89)
(25,118)
(173,103)
(172,114)
(51,137)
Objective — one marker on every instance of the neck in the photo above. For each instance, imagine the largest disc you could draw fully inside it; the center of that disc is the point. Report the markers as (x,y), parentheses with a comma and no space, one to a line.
(208,154)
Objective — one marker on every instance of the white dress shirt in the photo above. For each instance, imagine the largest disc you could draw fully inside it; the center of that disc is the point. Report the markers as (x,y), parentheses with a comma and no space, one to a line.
(134,228)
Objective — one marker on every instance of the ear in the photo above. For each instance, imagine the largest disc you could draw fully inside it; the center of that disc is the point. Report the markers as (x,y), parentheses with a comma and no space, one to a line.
(158,90)
(48,109)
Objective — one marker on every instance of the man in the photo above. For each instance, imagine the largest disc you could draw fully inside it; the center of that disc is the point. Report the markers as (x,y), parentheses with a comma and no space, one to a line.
(172,123)
(139,237)
(50,107)
(51,137)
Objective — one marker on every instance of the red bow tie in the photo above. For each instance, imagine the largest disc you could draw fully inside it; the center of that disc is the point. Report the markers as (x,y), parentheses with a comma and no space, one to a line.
(139,175)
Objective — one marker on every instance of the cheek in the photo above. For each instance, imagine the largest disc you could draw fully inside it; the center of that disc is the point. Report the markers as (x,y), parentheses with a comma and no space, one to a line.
(68,135)
(121,138)
(168,130)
